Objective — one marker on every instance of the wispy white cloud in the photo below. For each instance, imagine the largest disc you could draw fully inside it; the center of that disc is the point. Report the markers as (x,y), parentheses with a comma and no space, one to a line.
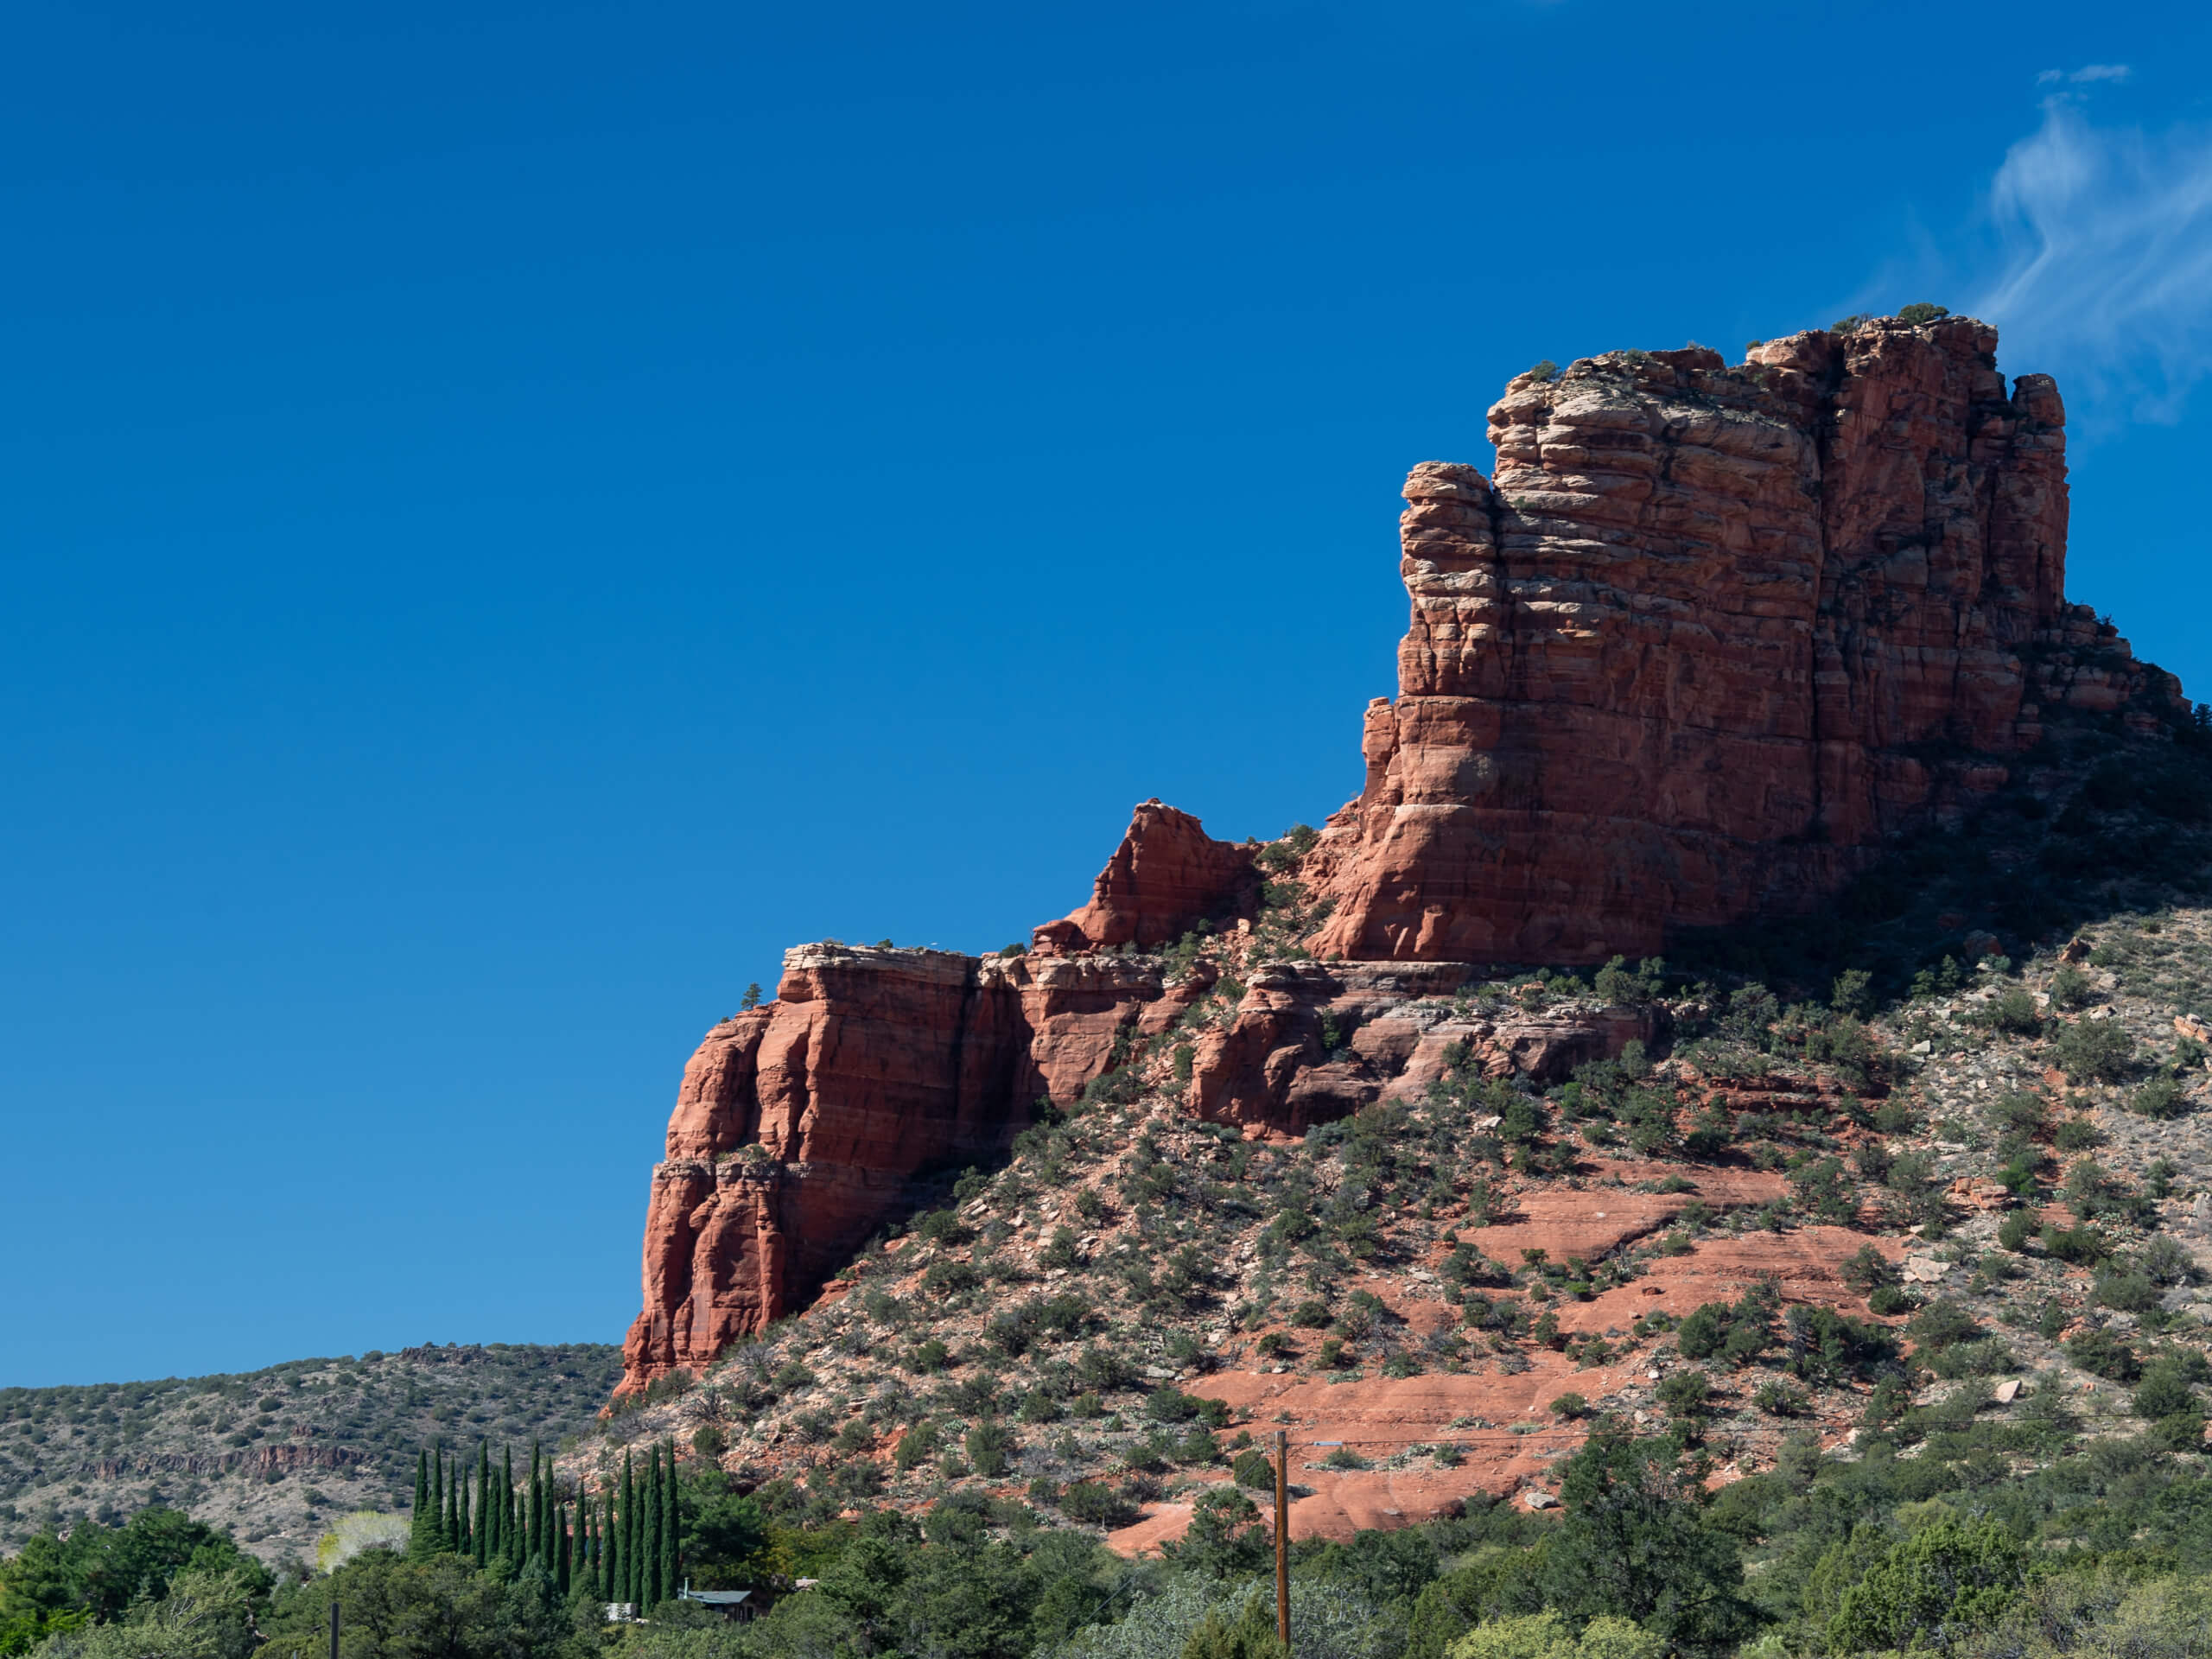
(2105,270)
(2083,76)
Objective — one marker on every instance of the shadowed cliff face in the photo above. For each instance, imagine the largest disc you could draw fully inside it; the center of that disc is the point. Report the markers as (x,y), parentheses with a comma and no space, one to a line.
(1710,637)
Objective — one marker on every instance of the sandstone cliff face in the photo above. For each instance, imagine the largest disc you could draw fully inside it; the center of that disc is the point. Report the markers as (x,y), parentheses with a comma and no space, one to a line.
(800,1123)
(1711,635)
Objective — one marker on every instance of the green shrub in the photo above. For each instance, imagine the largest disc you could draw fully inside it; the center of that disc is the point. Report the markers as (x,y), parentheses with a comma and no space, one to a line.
(1778,1399)
(2161,1097)
(916,1446)
(1254,1469)
(1169,1404)
(1940,1325)
(2080,1247)
(2077,1135)
(1922,312)
(2070,988)
(1096,1504)
(2104,1354)
(990,1447)
(1544,371)
(928,1356)
(2095,1051)
(951,1278)
(1866,1269)
(943,1227)
(1685,1394)
(1570,1405)
(2131,1293)
(2015,1229)
(2011,1010)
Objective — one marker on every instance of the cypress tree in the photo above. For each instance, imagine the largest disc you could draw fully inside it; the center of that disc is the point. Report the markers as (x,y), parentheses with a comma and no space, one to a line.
(671,1551)
(453,1507)
(653,1527)
(587,1553)
(483,1539)
(532,1518)
(441,1518)
(610,1551)
(564,1571)
(510,1534)
(419,1543)
(627,1524)
(460,1512)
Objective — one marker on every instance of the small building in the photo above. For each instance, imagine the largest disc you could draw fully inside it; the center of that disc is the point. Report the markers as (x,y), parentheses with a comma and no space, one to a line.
(730,1604)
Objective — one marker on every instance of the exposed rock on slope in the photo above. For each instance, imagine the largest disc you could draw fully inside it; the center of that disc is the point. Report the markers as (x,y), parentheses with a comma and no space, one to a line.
(800,1123)
(1167,877)
(1711,636)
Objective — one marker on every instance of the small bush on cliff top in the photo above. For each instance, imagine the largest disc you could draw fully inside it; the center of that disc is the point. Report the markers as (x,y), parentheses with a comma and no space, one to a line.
(1544,370)
(1922,312)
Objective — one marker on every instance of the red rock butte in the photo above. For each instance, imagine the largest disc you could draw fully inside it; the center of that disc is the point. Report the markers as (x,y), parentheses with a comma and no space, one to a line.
(1710,637)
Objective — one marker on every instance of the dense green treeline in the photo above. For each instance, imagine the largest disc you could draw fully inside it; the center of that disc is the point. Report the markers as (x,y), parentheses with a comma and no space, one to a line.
(1951,1533)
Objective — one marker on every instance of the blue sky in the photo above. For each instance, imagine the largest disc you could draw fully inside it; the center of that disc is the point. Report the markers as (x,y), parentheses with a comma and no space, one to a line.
(514,515)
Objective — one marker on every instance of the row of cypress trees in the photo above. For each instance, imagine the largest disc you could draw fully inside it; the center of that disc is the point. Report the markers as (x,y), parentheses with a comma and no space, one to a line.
(623,1543)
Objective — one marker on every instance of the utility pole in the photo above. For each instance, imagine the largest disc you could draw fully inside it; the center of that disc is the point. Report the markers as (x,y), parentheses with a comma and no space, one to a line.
(1282,1542)
(333,1628)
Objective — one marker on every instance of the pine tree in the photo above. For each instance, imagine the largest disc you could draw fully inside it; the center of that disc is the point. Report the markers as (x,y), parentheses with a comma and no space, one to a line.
(671,1541)
(420,1541)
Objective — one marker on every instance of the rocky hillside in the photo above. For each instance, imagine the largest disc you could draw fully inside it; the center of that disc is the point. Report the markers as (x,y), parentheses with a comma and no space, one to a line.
(1400,1135)
(1770,1218)
(276,1454)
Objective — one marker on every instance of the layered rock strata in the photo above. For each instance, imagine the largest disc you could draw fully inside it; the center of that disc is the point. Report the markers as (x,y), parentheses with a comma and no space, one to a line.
(1708,638)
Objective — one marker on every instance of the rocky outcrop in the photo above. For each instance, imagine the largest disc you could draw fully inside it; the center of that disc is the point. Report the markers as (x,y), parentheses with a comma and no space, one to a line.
(1710,637)
(1167,877)
(1313,1042)
(801,1125)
